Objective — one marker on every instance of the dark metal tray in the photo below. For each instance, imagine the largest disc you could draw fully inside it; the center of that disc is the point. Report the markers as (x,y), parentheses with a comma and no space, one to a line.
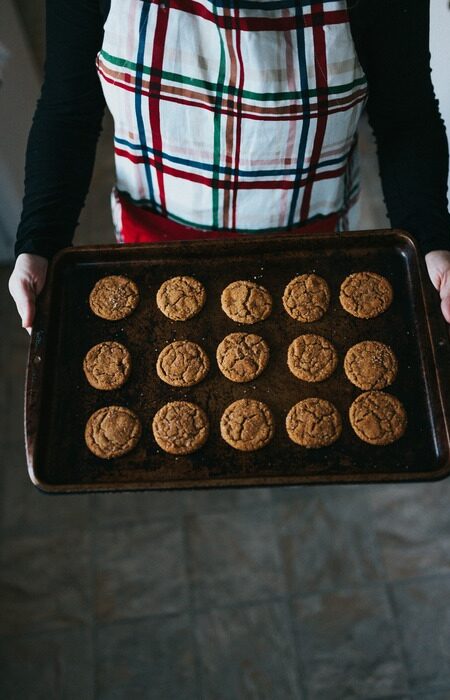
(58,399)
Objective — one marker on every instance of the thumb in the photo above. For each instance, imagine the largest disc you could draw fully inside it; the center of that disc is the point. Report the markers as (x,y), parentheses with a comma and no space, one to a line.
(444,292)
(25,301)
(445,308)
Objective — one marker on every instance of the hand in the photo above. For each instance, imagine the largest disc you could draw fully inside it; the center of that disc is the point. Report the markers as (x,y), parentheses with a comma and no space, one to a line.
(438,264)
(26,283)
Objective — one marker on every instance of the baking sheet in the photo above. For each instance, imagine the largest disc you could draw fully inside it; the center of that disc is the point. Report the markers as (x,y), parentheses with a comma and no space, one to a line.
(59,400)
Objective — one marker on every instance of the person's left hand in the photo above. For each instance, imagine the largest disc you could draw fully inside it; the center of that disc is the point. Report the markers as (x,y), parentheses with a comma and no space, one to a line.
(438,265)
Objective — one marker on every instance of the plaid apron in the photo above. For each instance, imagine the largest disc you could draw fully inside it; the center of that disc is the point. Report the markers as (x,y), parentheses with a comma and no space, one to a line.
(231,117)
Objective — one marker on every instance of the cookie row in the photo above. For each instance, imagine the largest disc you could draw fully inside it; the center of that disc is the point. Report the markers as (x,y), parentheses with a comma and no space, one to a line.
(182,427)
(242,357)
(306,298)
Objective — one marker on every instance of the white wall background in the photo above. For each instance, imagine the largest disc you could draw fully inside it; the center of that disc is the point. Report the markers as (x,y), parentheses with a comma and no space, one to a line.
(440,57)
(20,88)
(371,212)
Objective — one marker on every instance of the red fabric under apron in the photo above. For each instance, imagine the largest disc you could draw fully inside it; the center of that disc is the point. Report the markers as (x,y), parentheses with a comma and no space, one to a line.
(139,225)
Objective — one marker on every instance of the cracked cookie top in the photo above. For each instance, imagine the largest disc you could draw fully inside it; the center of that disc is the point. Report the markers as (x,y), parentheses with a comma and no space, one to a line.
(314,422)
(180,427)
(312,358)
(366,294)
(306,298)
(182,363)
(112,431)
(107,365)
(242,357)
(370,365)
(246,302)
(180,298)
(378,418)
(114,297)
(247,425)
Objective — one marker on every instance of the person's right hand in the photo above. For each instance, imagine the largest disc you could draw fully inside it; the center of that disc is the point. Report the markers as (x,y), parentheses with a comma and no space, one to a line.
(26,283)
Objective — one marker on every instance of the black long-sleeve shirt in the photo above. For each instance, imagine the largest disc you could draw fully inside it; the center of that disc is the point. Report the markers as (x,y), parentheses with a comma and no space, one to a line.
(392,42)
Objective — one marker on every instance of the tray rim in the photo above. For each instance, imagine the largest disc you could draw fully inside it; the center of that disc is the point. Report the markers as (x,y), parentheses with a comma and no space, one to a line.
(439,342)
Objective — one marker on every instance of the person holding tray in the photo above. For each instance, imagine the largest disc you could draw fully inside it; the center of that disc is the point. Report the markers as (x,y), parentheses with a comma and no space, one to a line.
(231,118)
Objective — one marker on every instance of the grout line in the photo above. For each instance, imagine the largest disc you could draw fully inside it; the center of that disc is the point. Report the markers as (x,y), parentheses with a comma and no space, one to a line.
(299,662)
(94,624)
(397,628)
(39,629)
(191,611)
(389,596)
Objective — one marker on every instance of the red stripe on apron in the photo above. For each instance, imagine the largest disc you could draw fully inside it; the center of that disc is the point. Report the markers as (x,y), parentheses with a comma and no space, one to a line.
(139,225)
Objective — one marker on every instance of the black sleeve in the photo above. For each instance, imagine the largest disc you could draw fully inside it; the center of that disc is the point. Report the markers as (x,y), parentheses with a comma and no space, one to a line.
(392,41)
(66,125)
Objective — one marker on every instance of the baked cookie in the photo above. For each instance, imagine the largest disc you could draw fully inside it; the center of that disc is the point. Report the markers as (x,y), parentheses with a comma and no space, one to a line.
(366,294)
(378,418)
(180,298)
(247,425)
(180,427)
(312,358)
(107,365)
(246,302)
(242,356)
(306,298)
(370,365)
(182,363)
(112,431)
(114,297)
(313,422)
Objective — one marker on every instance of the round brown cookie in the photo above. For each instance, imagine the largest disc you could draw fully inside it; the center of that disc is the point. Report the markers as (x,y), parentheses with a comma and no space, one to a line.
(107,365)
(182,363)
(247,425)
(242,356)
(366,294)
(112,431)
(370,365)
(378,418)
(313,422)
(246,302)
(306,298)
(180,427)
(180,298)
(114,297)
(312,358)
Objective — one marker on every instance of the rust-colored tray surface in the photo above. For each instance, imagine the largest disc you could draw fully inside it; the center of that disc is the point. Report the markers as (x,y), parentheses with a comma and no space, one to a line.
(59,400)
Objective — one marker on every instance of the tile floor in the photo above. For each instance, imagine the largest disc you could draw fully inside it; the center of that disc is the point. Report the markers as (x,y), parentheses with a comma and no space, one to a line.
(321,593)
